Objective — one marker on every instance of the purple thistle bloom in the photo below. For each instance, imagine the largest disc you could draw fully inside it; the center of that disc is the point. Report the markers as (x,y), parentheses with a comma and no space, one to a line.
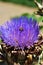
(20,32)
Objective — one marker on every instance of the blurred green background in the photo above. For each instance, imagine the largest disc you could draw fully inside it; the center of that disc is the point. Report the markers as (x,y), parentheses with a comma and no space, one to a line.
(23,2)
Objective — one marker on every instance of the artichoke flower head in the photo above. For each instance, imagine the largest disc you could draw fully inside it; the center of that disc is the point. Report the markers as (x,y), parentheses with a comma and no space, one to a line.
(20,32)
